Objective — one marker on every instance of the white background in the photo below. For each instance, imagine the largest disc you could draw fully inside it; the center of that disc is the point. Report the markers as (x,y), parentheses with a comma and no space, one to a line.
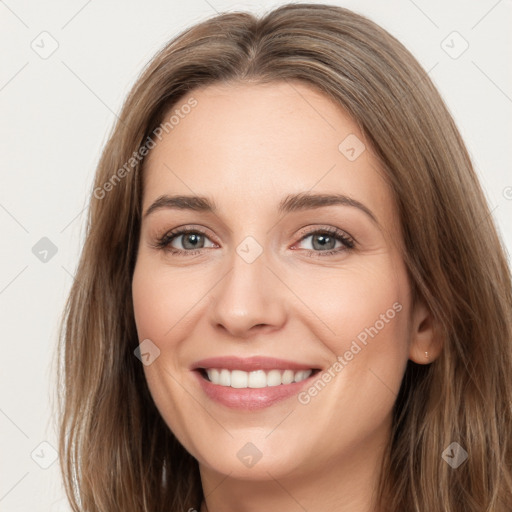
(55,117)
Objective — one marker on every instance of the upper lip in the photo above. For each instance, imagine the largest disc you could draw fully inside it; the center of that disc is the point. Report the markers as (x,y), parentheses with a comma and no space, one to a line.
(250,363)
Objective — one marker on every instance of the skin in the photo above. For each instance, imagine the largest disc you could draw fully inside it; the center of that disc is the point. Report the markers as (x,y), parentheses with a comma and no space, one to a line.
(247,146)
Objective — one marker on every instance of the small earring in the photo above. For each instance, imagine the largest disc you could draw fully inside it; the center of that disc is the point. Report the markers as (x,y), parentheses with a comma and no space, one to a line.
(426,355)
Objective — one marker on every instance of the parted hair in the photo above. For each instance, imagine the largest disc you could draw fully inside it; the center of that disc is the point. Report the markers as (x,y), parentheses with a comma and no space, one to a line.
(116,451)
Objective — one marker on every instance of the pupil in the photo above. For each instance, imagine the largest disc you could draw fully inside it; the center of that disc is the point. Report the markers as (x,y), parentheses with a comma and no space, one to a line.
(323,241)
(191,240)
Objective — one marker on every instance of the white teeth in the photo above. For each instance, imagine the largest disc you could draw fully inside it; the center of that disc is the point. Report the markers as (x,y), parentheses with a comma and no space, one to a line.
(214,375)
(256,379)
(225,378)
(239,379)
(288,377)
(274,378)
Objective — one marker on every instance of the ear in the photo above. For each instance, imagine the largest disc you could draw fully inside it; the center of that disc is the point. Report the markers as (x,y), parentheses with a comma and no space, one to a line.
(425,342)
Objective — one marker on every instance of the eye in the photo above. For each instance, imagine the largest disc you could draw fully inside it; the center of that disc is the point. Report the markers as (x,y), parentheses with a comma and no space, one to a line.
(326,241)
(184,241)
(318,242)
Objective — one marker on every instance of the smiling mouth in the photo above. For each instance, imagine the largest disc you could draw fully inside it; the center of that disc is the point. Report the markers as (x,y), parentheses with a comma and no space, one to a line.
(240,379)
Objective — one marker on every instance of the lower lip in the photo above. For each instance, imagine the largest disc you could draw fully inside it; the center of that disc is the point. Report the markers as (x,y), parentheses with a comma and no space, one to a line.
(250,398)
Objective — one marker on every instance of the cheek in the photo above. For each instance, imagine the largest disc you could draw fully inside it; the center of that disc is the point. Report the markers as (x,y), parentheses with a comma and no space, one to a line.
(361,317)
(355,303)
(159,304)
(160,300)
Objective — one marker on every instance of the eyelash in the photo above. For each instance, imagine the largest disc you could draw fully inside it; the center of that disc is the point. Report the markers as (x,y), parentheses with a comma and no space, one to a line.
(164,241)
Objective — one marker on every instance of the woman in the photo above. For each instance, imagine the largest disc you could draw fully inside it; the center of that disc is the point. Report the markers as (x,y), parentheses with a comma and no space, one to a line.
(291,293)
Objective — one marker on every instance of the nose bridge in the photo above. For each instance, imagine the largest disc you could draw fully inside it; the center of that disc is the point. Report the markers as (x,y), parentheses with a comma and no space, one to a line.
(248,295)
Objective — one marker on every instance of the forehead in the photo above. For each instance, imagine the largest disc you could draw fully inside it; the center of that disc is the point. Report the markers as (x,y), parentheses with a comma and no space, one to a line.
(248,145)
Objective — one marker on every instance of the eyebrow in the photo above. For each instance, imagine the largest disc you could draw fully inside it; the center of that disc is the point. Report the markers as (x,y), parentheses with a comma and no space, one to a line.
(291,203)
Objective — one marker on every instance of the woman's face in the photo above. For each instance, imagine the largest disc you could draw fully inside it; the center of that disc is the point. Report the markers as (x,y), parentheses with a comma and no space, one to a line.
(288,289)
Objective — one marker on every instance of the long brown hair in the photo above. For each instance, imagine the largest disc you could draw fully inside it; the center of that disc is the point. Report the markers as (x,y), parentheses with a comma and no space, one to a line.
(116,452)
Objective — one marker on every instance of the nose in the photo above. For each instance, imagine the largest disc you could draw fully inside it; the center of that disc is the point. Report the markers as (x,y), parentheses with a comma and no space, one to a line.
(248,299)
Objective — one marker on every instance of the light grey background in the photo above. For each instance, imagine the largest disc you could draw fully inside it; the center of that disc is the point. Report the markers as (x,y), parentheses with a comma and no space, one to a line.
(57,111)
